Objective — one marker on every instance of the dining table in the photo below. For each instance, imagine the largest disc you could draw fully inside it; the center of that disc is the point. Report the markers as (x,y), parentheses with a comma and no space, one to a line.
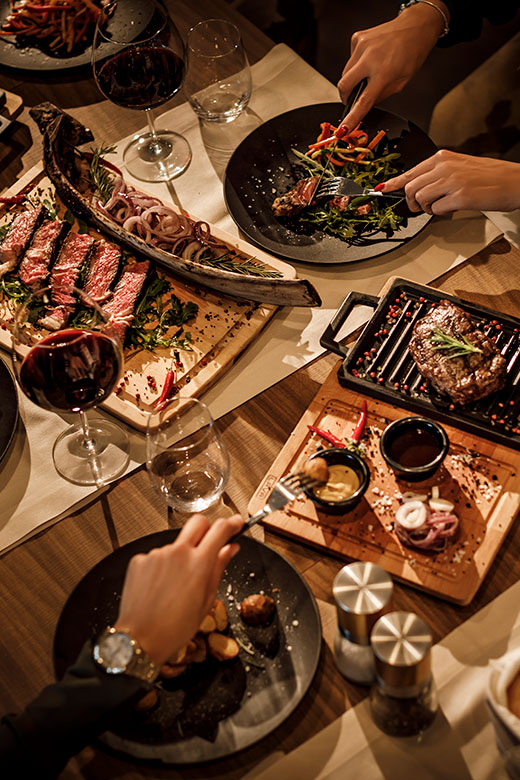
(37,576)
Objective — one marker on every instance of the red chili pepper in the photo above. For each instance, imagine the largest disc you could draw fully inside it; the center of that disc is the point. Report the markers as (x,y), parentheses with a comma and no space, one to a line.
(11,200)
(327,436)
(168,386)
(357,433)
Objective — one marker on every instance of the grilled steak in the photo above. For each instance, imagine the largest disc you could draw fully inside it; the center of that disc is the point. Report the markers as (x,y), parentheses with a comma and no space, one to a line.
(34,267)
(297,198)
(464,378)
(18,237)
(121,306)
(103,270)
(73,253)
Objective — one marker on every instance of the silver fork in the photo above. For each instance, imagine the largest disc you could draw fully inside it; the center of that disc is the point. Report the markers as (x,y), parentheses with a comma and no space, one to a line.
(286,490)
(341,185)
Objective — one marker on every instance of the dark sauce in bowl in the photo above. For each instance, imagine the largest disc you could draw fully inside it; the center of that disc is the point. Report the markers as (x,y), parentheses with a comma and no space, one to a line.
(414,447)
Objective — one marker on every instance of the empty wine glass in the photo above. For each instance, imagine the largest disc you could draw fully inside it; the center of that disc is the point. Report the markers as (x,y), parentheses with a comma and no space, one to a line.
(218,80)
(71,370)
(187,460)
(138,62)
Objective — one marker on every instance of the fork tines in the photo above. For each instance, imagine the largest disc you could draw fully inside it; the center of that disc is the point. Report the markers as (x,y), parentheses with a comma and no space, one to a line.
(329,188)
(300,480)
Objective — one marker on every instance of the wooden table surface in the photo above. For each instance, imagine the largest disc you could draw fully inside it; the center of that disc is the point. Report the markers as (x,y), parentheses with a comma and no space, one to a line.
(37,577)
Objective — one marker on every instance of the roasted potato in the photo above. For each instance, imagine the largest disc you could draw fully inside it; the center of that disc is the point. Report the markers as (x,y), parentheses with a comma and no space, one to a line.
(208,625)
(222,647)
(148,701)
(220,614)
(317,468)
(257,608)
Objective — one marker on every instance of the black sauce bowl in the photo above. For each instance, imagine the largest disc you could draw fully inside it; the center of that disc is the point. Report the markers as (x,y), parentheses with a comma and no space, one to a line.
(334,456)
(410,425)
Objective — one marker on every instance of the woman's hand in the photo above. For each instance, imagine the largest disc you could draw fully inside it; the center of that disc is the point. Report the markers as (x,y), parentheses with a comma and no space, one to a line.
(169,590)
(389,55)
(449,181)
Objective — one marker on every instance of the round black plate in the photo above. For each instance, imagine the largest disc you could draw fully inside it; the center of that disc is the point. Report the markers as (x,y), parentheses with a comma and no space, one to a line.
(222,708)
(8,408)
(263,167)
(32,58)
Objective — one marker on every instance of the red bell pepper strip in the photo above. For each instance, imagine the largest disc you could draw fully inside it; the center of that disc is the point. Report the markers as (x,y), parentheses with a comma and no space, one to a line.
(357,433)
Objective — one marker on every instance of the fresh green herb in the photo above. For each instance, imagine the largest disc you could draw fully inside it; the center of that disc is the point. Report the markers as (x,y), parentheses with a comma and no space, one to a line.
(100,177)
(227,262)
(155,314)
(50,207)
(14,288)
(3,230)
(460,346)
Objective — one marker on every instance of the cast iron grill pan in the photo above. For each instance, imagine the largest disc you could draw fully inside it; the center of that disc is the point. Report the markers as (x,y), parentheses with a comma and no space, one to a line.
(380,365)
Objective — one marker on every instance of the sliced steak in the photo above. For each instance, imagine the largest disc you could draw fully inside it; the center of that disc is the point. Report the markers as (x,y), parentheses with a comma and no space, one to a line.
(73,253)
(34,267)
(297,198)
(17,238)
(103,270)
(465,378)
(121,306)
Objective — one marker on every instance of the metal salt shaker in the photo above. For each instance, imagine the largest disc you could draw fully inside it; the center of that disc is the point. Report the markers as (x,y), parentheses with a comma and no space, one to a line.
(403,699)
(361,592)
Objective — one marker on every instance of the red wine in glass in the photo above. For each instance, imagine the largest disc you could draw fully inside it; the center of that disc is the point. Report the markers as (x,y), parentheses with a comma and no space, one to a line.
(138,62)
(141,77)
(70,370)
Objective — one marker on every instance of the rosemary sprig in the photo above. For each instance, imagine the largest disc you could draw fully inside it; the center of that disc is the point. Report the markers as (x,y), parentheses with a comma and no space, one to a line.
(100,176)
(461,346)
(245,267)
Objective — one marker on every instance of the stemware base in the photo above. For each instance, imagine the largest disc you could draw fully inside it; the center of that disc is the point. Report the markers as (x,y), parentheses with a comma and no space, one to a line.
(97,460)
(157,157)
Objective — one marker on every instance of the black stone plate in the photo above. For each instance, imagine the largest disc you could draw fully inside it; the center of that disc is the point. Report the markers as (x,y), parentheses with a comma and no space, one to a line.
(221,708)
(8,408)
(14,55)
(263,167)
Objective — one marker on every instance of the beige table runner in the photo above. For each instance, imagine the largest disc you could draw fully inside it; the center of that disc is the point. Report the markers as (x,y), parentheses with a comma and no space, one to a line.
(31,493)
(459,745)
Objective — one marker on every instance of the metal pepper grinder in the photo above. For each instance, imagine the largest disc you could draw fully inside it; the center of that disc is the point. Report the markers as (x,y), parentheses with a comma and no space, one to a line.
(403,699)
(361,592)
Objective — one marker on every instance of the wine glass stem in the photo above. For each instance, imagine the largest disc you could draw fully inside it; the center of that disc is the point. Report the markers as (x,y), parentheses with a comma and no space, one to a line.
(155,145)
(88,441)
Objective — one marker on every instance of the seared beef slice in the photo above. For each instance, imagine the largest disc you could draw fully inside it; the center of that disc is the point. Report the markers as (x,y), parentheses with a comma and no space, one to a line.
(466,378)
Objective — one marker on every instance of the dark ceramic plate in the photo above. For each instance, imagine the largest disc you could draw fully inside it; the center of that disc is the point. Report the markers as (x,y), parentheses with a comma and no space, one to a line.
(32,58)
(8,408)
(263,167)
(214,710)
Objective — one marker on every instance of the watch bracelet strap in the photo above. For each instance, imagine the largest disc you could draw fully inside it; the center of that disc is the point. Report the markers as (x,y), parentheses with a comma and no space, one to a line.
(141,666)
(446,24)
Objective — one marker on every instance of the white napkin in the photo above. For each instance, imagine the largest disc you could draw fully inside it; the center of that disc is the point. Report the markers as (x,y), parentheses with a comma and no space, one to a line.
(502,673)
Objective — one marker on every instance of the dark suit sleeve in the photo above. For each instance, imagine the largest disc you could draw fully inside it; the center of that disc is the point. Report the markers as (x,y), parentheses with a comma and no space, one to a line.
(65,717)
(467,17)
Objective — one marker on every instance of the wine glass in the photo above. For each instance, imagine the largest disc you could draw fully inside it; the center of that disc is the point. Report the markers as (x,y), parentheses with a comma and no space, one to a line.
(71,370)
(138,62)
(187,460)
(218,81)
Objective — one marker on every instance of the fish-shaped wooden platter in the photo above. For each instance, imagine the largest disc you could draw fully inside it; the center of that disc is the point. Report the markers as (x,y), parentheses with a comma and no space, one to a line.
(219,331)
(63,161)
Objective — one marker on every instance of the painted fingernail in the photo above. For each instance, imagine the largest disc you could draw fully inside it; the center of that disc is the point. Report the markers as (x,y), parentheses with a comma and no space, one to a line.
(380,186)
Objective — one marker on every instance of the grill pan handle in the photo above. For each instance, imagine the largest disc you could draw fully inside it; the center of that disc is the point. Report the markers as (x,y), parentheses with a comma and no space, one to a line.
(352,300)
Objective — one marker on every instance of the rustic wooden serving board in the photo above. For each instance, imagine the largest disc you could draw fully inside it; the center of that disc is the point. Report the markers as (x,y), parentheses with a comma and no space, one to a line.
(222,330)
(479,476)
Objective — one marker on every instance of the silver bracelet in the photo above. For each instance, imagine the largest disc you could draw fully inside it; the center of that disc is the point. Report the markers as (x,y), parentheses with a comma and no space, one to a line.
(445,21)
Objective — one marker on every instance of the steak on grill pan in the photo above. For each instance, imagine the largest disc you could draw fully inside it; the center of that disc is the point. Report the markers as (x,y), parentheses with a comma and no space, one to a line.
(464,378)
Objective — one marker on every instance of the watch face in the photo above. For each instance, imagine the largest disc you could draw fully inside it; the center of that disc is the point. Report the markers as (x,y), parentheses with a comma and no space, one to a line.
(114,652)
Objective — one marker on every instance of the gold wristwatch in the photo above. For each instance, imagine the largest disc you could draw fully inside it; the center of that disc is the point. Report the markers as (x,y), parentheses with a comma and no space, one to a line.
(116,652)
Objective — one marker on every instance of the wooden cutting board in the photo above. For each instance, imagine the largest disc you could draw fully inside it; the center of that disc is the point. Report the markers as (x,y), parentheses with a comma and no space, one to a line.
(221,331)
(479,476)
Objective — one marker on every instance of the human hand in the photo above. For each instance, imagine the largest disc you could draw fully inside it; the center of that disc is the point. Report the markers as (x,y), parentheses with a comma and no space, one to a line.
(388,56)
(449,181)
(169,590)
